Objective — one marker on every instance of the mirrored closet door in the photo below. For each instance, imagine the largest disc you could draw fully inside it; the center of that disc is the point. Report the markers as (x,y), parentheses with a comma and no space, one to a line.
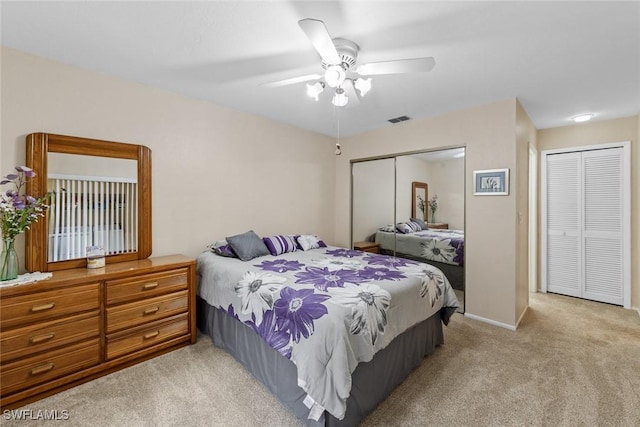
(429,186)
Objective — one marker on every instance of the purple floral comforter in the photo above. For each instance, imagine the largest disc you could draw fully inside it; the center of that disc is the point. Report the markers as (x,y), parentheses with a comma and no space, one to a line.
(326,309)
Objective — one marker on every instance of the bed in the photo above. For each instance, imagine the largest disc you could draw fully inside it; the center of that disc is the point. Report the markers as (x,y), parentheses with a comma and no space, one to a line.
(329,331)
(441,248)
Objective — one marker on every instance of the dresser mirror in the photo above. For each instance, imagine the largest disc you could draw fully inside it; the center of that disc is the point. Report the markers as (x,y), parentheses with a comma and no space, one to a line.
(100,195)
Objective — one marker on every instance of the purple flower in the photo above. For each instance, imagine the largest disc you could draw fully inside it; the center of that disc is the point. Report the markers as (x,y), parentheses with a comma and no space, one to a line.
(388,261)
(348,253)
(230,311)
(371,273)
(280,265)
(277,339)
(297,309)
(323,278)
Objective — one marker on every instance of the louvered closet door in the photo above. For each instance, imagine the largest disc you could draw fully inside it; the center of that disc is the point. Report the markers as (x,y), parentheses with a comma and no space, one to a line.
(564,263)
(585,255)
(603,219)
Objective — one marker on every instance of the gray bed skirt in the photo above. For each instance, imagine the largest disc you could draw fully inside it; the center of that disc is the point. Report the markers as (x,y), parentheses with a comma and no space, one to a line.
(372,381)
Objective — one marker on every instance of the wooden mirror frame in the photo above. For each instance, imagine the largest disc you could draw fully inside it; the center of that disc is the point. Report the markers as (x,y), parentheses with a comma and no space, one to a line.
(38,146)
(414,187)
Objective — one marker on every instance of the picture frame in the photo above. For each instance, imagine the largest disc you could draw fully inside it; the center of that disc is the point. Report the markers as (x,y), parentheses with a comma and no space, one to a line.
(491,182)
(419,197)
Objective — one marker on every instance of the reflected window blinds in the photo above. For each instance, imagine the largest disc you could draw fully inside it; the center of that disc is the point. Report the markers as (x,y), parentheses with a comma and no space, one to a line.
(91,211)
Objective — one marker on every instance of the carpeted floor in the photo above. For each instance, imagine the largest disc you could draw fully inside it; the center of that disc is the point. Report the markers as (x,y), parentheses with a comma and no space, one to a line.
(571,362)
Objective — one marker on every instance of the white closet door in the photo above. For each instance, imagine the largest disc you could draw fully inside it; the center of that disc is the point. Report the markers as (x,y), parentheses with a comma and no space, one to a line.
(603,219)
(586,222)
(563,254)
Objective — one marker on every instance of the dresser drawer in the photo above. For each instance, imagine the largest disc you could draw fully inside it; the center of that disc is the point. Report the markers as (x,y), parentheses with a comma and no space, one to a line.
(156,333)
(22,342)
(38,369)
(147,285)
(139,312)
(24,309)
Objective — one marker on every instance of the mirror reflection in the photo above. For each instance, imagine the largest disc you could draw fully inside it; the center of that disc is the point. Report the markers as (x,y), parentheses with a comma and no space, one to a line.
(93,203)
(427,196)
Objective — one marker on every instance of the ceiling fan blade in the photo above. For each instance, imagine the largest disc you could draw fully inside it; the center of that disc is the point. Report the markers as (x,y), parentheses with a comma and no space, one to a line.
(350,91)
(320,39)
(417,65)
(292,81)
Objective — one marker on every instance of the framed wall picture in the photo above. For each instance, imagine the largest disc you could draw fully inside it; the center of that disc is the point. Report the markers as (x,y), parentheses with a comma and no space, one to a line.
(419,195)
(491,182)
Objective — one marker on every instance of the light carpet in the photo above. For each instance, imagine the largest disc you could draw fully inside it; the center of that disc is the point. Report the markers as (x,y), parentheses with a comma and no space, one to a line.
(571,362)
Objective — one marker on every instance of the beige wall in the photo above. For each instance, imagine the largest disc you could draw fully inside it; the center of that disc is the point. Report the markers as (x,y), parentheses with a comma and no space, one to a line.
(373,195)
(447,181)
(489,134)
(409,170)
(216,171)
(525,136)
(601,132)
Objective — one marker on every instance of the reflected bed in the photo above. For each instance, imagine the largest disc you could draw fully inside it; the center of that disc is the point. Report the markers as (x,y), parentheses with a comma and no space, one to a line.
(441,248)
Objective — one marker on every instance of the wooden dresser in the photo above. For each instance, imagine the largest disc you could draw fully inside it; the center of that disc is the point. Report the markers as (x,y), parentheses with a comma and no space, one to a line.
(440,225)
(82,324)
(372,247)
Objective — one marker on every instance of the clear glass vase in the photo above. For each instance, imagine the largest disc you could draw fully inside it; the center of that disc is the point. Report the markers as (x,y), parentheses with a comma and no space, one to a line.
(8,260)
(433,217)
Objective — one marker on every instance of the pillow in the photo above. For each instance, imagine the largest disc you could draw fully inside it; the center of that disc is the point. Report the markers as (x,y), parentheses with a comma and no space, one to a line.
(404,228)
(309,241)
(415,226)
(280,244)
(389,228)
(248,245)
(222,248)
(423,225)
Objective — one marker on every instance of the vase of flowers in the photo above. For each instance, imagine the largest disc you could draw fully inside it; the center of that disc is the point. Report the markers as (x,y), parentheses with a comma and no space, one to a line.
(433,207)
(17,212)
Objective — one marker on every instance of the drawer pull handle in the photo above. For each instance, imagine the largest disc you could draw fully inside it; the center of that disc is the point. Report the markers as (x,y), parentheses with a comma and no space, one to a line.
(42,369)
(150,285)
(151,335)
(151,310)
(43,307)
(44,337)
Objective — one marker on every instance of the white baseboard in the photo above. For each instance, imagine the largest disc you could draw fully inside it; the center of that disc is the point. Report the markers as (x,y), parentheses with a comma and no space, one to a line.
(636,309)
(491,322)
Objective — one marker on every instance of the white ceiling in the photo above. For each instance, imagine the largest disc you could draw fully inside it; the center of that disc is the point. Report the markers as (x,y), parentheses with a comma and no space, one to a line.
(560,59)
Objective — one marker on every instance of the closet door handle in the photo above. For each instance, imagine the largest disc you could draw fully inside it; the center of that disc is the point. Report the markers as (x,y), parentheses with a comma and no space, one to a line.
(43,307)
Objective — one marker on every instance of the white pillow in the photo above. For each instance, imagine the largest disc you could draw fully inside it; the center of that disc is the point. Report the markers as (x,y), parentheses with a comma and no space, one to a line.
(309,241)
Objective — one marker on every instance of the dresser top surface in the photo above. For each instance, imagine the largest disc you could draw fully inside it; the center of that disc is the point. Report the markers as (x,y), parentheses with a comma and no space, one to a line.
(75,276)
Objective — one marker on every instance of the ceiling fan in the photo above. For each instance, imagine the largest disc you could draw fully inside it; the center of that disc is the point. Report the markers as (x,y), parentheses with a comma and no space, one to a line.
(339,58)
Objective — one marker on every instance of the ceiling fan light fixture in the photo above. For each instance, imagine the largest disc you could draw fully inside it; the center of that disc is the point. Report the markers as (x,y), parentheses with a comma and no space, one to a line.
(334,75)
(363,85)
(340,99)
(315,89)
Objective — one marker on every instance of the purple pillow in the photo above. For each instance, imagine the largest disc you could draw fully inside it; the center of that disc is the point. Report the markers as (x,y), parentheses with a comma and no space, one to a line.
(280,244)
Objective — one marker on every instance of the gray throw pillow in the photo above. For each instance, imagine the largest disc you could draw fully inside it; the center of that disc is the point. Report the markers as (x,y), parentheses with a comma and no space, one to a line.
(248,245)
(421,222)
